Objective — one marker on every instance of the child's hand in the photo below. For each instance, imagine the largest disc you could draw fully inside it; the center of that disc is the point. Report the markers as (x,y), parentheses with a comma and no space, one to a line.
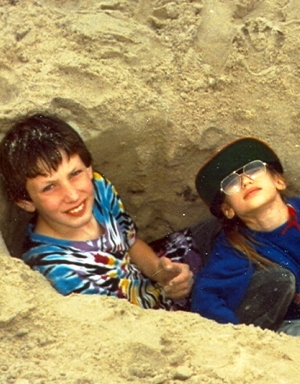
(175,278)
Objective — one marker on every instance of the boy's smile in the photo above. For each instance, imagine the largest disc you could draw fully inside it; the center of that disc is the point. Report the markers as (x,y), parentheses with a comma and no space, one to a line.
(77,210)
(63,200)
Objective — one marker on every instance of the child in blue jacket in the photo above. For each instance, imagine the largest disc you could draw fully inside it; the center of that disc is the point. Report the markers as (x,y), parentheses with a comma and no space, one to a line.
(243,186)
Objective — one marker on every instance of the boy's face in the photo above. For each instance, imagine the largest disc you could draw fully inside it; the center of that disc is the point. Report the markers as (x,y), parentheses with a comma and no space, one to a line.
(63,200)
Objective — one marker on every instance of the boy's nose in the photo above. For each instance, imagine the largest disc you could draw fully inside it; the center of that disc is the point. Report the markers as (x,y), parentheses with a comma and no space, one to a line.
(70,193)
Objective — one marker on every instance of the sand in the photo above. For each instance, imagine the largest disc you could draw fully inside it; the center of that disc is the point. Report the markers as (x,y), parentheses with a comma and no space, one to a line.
(154,87)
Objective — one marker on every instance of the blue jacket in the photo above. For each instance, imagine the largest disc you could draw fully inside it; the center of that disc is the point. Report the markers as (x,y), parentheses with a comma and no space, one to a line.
(221,285)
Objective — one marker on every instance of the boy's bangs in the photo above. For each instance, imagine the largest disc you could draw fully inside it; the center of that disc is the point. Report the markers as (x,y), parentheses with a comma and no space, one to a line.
(45,163)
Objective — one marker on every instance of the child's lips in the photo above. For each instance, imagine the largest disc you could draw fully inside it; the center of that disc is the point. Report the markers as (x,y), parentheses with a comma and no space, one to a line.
(77,211)
(251,192)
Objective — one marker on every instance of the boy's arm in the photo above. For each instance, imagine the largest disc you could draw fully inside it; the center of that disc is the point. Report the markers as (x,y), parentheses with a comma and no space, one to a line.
(175,278)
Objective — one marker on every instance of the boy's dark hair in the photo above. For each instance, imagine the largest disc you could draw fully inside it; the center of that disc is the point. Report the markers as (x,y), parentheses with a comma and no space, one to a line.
(32,145)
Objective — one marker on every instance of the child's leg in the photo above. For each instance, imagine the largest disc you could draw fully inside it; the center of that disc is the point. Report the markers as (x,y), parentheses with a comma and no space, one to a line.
(268,297)
(180,247)
(290,327)
(204,234)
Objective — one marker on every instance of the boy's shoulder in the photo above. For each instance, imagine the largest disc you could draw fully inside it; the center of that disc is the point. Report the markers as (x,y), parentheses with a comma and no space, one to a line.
(105,191)
(97,176)
(100,178)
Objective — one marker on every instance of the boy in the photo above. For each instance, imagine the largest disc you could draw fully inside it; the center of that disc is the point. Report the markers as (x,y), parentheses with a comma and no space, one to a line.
(80,237)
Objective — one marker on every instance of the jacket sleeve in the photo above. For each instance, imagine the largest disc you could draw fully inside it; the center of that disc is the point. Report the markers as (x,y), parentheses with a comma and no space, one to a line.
(221,285)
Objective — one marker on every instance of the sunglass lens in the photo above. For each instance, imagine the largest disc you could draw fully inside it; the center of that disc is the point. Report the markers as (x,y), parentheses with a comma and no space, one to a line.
(255,169)
(231,184)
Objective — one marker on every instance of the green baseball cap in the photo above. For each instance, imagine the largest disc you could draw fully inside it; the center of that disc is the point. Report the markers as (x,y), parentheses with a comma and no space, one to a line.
(227,160)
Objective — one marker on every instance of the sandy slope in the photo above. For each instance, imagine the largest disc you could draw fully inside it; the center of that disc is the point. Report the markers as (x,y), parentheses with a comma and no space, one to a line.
(154,87)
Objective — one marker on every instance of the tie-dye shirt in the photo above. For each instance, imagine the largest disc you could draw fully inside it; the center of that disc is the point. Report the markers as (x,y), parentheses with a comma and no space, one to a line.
(101,266)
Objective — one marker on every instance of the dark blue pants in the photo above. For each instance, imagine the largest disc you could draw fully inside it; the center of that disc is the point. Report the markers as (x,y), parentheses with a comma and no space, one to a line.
(268,298)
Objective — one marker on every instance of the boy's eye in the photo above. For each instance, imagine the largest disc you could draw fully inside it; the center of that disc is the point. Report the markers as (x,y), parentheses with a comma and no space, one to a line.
(48,188)
(77,172)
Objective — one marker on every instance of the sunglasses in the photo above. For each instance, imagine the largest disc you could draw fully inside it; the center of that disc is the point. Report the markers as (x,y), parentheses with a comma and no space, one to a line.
(233,182)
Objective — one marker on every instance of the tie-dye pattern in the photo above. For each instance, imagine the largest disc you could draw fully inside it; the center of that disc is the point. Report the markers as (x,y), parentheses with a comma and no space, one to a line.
(101,266)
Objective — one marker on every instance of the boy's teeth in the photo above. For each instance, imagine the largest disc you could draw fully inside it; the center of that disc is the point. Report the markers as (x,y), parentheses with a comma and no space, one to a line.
(75,210)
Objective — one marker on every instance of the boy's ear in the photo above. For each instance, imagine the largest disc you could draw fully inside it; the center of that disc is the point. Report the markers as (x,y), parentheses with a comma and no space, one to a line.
(27,205)
(90,171)
(228,212)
